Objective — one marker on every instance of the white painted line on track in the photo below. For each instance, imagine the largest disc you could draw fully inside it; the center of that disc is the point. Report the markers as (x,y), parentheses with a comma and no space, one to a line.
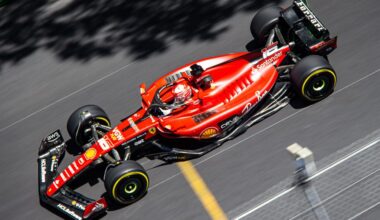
(364,211)
(124,67)
(245,214)
(286,118)
(73,93)
(356,82)
(335,194)
(265,129)
(67,96)
(207,158)
(324,170)
(347,157)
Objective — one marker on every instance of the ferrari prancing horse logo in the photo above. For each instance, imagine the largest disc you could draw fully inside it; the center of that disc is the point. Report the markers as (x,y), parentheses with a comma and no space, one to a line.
(152,130)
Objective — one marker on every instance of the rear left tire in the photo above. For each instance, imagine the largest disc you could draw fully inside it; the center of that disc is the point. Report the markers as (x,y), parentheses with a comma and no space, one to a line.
(314,78)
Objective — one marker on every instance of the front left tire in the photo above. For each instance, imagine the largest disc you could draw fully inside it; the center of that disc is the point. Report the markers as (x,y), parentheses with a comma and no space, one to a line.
(126,183)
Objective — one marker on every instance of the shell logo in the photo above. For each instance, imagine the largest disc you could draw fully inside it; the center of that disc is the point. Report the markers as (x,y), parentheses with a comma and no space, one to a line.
(113,137)
(90,154)
(209,133)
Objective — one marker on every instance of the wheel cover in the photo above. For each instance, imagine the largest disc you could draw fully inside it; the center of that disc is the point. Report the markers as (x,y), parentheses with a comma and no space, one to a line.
(130,187)
(319,84)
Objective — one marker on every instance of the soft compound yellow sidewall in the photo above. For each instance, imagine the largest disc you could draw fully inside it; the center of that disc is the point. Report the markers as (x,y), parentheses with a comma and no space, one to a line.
(312,75)
(126,176)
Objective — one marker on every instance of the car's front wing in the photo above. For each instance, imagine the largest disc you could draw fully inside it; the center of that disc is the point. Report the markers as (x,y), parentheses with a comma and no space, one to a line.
(68,202)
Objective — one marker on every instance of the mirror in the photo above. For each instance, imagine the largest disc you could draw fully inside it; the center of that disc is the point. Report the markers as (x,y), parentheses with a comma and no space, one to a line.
(142,89)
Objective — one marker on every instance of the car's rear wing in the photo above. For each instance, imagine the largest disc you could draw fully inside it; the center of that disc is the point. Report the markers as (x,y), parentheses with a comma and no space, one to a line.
(303,26)
(68,202)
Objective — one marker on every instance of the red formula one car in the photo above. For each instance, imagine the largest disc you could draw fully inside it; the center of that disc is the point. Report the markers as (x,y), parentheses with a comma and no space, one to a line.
(191,110)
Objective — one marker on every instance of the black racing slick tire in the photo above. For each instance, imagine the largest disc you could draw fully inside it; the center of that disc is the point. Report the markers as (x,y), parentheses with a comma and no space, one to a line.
(263,22)
(81,120)
(126,183)
(314,78)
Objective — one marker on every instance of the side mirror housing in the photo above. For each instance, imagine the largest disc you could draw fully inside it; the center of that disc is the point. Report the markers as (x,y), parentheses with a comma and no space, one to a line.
(142,89)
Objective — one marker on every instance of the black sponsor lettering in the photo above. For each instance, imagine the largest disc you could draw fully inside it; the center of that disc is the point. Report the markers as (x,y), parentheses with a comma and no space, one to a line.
(309,15)
(203,116)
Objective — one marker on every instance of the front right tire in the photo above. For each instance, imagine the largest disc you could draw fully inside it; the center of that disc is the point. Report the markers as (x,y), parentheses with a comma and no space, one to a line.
(79,127)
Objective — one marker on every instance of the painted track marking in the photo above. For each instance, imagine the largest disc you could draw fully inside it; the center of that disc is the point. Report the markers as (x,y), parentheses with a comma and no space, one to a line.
(124,67)
(335,194)
(323,170)
(200,188)
(67,96)
(207,158)
(364,211)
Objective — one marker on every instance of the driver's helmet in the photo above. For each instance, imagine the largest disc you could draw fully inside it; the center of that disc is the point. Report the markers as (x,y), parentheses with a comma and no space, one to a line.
(182,93)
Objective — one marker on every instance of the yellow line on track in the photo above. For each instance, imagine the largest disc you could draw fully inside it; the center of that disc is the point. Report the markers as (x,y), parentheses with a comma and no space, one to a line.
(201,190)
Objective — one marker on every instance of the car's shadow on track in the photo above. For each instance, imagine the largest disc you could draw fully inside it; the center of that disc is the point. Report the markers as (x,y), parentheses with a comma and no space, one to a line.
(298,103)
(84,29)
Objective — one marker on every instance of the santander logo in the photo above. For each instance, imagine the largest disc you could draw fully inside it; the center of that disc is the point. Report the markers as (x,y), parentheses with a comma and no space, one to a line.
(267,62)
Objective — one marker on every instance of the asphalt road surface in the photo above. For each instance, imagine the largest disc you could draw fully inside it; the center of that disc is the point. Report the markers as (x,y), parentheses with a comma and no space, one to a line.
(55,58)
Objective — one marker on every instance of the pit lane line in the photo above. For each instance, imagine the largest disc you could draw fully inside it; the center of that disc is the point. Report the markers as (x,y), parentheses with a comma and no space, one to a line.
(265,129)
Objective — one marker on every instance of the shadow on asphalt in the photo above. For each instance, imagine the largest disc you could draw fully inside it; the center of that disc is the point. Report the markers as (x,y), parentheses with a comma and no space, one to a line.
(299,103)
(84,29)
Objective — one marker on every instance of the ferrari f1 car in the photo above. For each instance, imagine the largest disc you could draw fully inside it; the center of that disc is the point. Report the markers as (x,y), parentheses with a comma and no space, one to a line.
(191,110)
